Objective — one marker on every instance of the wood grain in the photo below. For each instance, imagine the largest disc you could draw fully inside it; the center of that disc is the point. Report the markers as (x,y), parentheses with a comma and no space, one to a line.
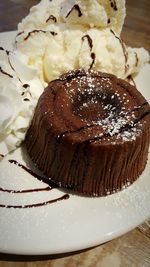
(136,31)
(132,249)
(12,11)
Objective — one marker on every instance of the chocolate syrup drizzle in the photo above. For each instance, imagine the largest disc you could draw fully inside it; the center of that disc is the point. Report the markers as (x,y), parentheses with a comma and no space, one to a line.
(13,69)
(51,17)
(11,76)
(50,187)
(26,99)
(125,52)
(18,34)
(38,177)
(25,85)
(113,5)
(3,49)
(65,196)
(5,73)
(108,21)
(90,43)
(137,59)
(93,56)
(77,8)
(36,31)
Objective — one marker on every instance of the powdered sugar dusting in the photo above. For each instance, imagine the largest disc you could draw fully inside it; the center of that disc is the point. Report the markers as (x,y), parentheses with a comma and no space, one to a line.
(107,104)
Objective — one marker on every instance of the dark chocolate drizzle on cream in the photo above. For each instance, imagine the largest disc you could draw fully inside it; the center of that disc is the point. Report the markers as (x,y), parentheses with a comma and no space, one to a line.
(90,43)
(51,17)
(26,99)
(125,52)
(93,57)
(5,73)
(3,49)
(25,85)
(19,33)
(113,5)
(137,59)
(14,70)
(89,39)
(36,31)
(77,8)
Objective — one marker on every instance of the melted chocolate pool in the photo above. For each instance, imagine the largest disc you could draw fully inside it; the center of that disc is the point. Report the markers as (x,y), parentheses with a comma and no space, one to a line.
(91,105)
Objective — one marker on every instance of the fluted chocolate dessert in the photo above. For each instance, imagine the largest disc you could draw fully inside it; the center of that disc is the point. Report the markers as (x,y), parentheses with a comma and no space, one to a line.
(90,133)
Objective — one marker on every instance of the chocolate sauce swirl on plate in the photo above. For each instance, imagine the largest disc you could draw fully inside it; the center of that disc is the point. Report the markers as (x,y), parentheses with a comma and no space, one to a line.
(25,191)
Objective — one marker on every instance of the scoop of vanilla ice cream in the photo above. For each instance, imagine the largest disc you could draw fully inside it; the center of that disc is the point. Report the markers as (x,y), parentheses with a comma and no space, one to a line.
(60,49)
(99,13)
(62,37)
(41,15)
(19,91)
(102,50)
(91,13)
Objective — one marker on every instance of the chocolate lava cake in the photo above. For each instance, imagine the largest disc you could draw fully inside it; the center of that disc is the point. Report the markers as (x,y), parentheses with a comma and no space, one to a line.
(90,133)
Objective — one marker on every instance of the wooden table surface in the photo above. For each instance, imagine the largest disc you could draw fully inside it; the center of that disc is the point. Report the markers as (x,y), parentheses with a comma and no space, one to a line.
(133,248)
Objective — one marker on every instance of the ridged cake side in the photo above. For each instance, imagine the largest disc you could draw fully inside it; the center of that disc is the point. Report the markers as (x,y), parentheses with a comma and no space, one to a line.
(90,133)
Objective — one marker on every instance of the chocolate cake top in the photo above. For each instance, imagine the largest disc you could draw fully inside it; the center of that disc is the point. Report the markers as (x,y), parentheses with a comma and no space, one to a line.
(90,106)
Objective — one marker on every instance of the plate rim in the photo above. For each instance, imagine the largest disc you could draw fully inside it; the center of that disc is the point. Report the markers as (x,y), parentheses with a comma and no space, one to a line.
(107,238)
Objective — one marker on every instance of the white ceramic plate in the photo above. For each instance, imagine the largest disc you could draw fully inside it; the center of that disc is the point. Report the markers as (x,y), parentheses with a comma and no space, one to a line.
(71,224)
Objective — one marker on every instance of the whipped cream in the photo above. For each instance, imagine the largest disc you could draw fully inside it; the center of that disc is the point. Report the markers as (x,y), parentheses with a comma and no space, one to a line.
(19,91)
